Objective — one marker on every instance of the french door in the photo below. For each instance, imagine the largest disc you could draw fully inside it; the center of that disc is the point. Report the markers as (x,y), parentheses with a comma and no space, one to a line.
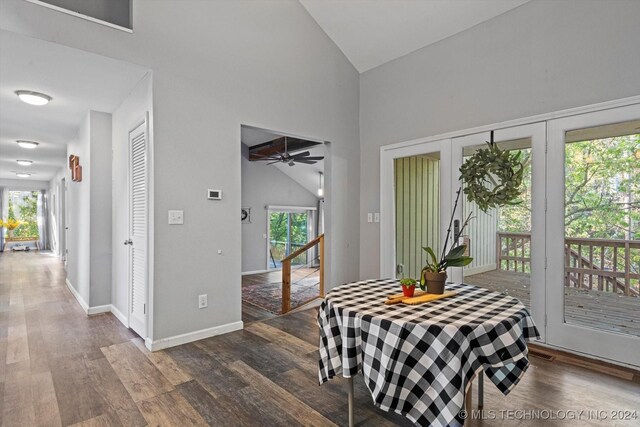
(593,234)
(569,249)
(507,243)
(415,203)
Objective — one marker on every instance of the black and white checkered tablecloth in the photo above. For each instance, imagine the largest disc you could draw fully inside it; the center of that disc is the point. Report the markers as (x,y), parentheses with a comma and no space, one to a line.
(417,359)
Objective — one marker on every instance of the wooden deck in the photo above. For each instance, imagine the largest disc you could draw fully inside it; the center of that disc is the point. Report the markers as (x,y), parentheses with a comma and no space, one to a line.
(592,308)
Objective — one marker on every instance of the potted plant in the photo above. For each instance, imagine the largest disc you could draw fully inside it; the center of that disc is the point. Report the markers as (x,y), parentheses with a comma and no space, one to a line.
(408,286)
(434,273)
(10,224)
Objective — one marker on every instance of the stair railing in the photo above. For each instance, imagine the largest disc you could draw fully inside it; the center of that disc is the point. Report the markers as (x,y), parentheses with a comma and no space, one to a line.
(286,270)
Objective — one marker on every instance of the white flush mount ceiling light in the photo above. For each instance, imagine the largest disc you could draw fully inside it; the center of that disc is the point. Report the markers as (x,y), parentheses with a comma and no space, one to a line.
(25,162)
(23,175)
(33,98)
(28,144)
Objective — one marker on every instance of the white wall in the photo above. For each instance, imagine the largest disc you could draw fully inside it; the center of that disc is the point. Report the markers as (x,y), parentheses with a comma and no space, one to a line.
(541,57)
(264,185)
(100,209)
(89,212)
(79,215)
(217,65)
(125,118)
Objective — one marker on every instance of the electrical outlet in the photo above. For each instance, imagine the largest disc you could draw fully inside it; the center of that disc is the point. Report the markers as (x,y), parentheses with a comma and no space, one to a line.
(202,301)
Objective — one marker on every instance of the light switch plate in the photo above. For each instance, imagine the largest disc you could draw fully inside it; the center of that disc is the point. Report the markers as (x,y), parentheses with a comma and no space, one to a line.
(369,217)
(376,217)
(176,217)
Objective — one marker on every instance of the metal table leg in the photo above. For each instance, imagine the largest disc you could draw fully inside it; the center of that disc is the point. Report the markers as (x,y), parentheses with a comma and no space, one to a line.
(350,398)
(481,390)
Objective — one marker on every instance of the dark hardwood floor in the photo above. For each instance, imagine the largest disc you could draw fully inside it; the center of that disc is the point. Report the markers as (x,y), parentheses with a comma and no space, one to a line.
(60,367)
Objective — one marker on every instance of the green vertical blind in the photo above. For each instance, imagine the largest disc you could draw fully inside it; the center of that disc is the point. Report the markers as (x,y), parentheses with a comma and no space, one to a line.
(417,196)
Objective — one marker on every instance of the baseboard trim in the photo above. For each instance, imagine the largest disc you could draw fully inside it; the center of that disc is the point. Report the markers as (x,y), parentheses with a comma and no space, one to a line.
(246,273)
(192,336)
(119,315)
(78,297)
(98,309)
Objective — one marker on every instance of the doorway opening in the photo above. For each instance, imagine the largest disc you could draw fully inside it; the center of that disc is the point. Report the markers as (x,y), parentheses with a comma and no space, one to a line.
(282,217)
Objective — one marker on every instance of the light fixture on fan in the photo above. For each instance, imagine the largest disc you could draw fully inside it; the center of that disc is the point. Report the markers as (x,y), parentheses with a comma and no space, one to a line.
(320,186)
(23,175)
(25,162)
(33,98)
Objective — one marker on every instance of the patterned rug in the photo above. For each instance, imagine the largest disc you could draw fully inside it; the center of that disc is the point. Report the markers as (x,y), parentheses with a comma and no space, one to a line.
(269,295)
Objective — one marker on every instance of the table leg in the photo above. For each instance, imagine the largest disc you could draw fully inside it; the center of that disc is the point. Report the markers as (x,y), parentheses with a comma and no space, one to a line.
(350,394)
(468,402)
(480,389)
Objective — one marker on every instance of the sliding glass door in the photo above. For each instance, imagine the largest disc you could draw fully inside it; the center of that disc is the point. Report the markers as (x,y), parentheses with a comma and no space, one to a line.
(289,229)
(593,238)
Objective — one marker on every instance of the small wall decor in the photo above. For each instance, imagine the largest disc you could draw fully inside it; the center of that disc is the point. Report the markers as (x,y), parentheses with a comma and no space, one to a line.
(245,215)
(76,169)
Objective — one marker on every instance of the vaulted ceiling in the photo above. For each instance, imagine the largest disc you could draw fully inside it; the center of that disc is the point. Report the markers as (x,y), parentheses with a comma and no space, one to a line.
(372,32)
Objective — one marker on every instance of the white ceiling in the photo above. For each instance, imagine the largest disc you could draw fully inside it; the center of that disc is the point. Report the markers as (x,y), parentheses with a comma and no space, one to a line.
(372,32)
(78,81)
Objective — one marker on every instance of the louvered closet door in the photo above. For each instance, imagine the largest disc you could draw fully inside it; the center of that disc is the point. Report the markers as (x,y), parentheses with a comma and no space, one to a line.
(138,228)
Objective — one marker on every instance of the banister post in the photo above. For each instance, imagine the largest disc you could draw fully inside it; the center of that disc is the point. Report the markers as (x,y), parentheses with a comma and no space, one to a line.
(286,285)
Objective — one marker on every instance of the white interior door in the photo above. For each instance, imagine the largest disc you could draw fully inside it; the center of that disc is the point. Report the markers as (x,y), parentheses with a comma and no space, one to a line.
(138,228)
(402,179)
(593,276)
(507,243)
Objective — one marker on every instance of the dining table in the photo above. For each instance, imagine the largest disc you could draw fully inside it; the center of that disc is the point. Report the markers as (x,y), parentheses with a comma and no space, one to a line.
(419,360)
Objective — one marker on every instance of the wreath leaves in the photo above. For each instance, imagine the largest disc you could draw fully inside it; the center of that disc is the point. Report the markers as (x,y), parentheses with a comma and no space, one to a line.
(493,177)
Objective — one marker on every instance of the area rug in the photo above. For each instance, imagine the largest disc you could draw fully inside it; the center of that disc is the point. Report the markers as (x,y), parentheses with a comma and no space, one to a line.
(269,295)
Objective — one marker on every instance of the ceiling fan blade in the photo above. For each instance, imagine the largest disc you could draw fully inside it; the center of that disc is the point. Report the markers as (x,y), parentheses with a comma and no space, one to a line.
(314,158)
(275,161)
(303,154)
(306,162)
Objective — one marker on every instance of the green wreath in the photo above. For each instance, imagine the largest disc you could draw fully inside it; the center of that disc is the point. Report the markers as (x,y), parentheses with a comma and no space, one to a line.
(492,177)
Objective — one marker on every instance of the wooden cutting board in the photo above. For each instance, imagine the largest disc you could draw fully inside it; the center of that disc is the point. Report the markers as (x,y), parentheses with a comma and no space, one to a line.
(419,297)
(427,298)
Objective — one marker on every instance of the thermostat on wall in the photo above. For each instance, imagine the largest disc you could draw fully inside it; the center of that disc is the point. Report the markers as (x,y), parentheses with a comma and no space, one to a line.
(214,194)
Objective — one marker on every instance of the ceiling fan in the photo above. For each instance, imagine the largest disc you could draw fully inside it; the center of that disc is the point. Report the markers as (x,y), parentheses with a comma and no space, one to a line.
(291,159)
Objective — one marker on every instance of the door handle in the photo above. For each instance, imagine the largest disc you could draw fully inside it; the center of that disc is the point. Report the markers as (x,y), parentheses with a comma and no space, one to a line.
(128,242)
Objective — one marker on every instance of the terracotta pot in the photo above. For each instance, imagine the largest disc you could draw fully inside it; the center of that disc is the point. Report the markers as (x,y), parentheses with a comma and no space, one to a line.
(408,291)
(435,281)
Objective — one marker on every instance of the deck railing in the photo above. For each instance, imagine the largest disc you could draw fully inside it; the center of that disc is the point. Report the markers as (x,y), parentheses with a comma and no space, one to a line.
(602,264)
(286,271)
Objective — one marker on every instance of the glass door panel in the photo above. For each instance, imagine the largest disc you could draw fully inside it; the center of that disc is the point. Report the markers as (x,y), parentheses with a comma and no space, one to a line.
(500,239)
(593,234)
(417,199)
(602,228)
(507,242)
(414,199)
(289,230)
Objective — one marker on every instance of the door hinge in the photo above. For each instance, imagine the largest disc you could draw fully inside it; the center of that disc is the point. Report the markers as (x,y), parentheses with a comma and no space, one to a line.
(144,308)
(545,204)
(545,320)
(545,262)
